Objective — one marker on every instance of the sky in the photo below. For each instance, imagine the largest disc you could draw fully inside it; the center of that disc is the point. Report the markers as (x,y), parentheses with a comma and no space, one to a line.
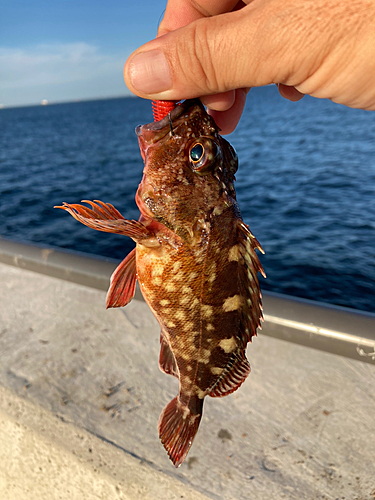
(67,50)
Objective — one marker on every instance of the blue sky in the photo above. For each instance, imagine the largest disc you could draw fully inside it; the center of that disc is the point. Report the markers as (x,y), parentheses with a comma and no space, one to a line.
(63,50)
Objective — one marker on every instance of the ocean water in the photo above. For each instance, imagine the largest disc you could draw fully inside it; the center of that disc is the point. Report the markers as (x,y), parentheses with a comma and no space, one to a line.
(306,185)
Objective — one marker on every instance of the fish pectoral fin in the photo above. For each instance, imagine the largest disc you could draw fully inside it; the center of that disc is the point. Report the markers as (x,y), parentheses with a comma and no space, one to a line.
(167,361)
(232,378)
(178,425)
(123,280)
(104,217)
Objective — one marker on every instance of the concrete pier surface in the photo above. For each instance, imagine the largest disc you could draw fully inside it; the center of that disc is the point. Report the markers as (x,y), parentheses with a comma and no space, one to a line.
(81,394)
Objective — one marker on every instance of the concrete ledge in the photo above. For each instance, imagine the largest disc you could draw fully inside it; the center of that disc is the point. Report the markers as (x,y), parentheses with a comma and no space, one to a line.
(44,457)
(71,266)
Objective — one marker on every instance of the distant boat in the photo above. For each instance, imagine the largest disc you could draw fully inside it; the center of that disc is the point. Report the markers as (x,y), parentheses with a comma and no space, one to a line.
(44,102)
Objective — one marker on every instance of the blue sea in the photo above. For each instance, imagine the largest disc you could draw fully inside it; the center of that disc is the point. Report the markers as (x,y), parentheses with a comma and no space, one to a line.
(306,185)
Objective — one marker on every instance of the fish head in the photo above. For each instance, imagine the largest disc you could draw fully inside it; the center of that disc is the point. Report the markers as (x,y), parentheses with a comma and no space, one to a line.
(189,170)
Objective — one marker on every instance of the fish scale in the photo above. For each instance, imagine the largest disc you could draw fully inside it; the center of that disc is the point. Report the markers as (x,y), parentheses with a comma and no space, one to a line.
(194,260)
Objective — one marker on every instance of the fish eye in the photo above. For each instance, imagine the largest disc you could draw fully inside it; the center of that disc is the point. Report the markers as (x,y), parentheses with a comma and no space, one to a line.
(203,155)
(196,153)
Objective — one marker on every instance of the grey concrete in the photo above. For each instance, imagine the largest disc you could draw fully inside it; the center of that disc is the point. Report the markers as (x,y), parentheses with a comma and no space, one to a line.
(43,457)
(301,427)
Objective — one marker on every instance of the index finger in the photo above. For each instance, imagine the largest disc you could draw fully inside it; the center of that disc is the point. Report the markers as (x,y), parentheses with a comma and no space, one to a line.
(179,13)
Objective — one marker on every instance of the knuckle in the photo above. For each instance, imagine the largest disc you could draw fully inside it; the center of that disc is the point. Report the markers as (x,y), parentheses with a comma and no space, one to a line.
(204,55)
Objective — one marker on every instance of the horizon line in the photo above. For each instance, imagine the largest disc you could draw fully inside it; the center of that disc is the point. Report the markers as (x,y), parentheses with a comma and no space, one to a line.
(46,102)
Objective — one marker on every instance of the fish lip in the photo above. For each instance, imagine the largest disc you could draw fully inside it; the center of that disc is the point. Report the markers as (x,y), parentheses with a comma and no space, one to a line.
(152,132)
(143,146)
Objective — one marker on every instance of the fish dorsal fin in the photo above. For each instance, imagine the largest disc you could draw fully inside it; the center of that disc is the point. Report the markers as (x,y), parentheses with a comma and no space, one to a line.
(123,280)
(167,361)
(232,377)
(249,268)
(251,243)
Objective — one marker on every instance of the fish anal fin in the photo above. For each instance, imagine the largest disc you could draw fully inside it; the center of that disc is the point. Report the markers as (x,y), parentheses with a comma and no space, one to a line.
(104,217)
(167,361)
(123,280)
(232,377)
(178,425)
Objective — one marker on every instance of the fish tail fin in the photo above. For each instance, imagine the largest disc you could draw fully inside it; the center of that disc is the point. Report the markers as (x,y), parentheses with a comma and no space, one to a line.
(178,425)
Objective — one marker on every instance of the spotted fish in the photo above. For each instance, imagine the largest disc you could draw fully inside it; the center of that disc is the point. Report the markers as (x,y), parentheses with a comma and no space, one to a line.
(195,262)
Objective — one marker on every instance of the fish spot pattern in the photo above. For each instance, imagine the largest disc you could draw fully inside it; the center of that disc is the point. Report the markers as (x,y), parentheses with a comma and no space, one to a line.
(179,315)
(170,323)
(234,253)
(170,287)
(228,345)
(212,277)
(207,311)
(233,303)
(201,394)
(188,326)
(195,302)
(176,266)
(157,269)
(205,356)
(184,300)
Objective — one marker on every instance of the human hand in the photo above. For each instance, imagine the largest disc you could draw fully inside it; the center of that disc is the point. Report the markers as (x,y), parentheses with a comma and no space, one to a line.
(217,50)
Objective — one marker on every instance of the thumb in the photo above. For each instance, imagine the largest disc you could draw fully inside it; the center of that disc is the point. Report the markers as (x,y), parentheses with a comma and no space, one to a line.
(208,56)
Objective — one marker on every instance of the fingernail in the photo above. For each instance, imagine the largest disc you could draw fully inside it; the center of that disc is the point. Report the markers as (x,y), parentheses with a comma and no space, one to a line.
(149,72)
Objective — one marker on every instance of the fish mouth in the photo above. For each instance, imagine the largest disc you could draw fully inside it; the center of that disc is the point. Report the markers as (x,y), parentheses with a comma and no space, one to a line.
(152,132)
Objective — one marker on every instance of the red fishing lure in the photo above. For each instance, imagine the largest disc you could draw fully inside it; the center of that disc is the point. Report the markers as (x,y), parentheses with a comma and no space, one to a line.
(160,109)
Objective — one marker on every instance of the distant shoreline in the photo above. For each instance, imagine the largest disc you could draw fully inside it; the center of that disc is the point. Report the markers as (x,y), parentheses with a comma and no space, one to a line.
(46,103)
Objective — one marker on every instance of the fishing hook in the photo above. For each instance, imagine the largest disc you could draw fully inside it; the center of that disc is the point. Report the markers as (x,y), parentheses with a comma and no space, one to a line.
(170,123)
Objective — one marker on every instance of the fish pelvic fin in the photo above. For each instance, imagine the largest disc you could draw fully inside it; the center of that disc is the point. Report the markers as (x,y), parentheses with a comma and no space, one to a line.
(232,377)
(104,217)
(178,425)
(123,280)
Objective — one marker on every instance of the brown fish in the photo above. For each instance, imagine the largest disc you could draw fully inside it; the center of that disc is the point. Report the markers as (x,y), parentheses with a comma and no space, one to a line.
(195,262)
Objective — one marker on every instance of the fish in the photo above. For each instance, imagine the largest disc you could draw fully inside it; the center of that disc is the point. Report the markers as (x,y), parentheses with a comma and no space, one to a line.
(194,260)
